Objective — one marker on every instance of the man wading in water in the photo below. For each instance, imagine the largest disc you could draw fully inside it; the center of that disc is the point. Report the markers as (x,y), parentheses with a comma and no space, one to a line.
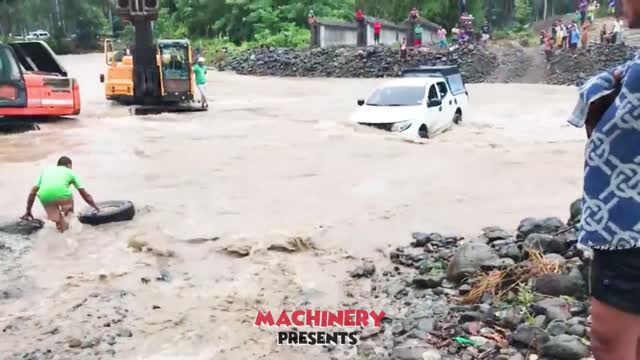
(609,108)
(52,188)
(200,70)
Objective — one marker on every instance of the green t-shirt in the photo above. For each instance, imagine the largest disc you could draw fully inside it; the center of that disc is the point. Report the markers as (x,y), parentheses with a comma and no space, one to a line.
(201,74)
(419,32)
(54,184)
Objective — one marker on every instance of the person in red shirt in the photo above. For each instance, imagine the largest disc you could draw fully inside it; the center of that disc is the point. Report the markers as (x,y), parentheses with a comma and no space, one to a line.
(377,28)
(362,29)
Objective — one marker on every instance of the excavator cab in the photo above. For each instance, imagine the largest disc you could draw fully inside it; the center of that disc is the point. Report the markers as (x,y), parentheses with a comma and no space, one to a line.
(118,80)
(13,91)
(34,84)
(176,74)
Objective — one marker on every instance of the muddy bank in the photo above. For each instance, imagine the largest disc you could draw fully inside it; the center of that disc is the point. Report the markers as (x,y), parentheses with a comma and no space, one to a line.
(476,64)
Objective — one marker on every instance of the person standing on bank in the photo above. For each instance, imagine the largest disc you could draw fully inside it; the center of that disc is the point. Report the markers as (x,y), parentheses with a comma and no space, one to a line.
(52,188)
(609,108)
(418,34)
(377,29)
(200,70)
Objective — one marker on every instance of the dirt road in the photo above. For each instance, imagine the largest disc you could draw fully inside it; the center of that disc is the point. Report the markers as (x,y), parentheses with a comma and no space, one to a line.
(272,159)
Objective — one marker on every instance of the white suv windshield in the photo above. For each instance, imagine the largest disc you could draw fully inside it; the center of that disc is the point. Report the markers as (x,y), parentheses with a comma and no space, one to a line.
(397,96)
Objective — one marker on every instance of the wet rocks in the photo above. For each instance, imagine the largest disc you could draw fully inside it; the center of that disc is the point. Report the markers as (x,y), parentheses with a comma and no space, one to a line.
(470,259)
(553,308)
(363,271)
(485,304)
(428,282)
(565,347)
(575,67)
(412,349)
(546,243)
(124,332)
(530,226)
(74,343)
(476,64)
(560,285)
(557,327)
(529,336)
(21,227)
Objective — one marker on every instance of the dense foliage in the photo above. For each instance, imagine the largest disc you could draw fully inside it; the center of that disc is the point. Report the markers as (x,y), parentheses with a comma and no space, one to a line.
(252,22)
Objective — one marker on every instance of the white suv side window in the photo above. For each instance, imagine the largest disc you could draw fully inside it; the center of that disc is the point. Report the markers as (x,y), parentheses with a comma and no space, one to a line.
(442,88)
(433,93)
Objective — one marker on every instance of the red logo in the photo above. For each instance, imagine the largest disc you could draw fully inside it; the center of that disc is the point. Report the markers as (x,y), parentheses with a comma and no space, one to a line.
(355,319)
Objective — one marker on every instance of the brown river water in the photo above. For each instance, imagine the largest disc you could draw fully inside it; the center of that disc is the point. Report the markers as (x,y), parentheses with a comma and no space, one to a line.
(272,159)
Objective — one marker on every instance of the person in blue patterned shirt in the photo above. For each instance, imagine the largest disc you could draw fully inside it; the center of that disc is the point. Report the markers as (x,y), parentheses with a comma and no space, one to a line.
(609,108)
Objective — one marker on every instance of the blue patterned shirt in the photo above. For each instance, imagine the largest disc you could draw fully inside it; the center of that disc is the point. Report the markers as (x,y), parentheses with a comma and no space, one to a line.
(611,198)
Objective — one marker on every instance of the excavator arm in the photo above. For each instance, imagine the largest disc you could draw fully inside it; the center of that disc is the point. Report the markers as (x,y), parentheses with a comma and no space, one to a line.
(146,74)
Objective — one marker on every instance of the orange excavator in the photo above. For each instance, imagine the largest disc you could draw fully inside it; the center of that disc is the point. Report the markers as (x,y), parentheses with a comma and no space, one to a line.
(33,84)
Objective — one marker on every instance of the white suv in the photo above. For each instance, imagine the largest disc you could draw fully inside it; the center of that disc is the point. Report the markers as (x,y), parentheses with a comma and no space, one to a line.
(415,106)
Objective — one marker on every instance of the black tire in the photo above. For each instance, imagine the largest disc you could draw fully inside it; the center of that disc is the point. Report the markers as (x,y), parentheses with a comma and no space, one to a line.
(423,132)
(110,211)
(457,117)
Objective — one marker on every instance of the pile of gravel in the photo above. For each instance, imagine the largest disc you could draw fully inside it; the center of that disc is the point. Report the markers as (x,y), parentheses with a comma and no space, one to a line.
(575,67)
(476,64)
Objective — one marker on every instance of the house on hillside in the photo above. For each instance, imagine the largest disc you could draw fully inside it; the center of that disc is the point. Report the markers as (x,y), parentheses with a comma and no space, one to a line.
(332,32)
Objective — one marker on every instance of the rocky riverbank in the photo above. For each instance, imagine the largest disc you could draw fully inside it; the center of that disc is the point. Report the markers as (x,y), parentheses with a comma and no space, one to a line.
(575,67)
(476,64)
(498,296)
(497,64)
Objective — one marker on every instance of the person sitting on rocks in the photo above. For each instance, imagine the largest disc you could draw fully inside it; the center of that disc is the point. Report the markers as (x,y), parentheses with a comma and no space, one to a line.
(603,34)
(403,48)
(52,188)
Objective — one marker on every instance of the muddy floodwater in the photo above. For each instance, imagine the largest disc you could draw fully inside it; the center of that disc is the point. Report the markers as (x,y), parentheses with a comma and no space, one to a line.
(272,159)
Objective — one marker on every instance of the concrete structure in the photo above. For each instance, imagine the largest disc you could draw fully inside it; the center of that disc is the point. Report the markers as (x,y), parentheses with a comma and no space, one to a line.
(342,33)
(337,33)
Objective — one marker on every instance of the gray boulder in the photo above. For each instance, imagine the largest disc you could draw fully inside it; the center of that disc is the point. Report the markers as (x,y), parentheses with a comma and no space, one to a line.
(530,226)
(575,211)
(565,347)
(529,336)
(411,349)
(469,259)
(546,243)
(557,327)
(553,284)
(553,309)
(428,281)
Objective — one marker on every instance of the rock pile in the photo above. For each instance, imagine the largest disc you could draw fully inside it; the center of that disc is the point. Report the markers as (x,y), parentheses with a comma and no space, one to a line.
(498,296)
(476,64)
(574,68)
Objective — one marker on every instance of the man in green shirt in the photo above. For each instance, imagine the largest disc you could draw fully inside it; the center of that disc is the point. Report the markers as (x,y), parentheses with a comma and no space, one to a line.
(200,70)
(52,188)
